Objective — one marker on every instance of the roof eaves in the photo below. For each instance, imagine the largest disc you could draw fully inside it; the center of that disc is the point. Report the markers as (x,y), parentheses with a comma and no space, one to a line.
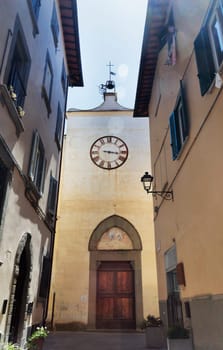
(69,18)
(155,21)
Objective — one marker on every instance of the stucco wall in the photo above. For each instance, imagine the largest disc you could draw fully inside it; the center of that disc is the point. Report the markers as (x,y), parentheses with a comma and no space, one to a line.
(19,216)
(88,196)
(193,220)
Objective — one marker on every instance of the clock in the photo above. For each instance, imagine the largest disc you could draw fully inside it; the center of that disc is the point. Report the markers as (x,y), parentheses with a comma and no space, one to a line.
(109,152)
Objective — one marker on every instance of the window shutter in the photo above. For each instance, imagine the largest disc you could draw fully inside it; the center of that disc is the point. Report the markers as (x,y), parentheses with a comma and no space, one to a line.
(52,196)
(43,177)
(185,124)
(33,155)
(173,134)
(180,274)
(55,25)
(204,59)
(58,132)
(45,277)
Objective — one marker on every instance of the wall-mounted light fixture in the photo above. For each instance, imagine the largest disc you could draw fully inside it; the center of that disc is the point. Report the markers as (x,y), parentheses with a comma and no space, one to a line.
(147,180)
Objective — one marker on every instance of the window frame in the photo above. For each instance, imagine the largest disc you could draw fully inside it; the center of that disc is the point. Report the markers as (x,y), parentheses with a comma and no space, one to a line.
(34,9)
(205,48)
(179,125)
(44,282)
(14,69)
(47,90)
(64,78)
(215,15)
(52,198)
(37,164)
(59,127)
(55,26)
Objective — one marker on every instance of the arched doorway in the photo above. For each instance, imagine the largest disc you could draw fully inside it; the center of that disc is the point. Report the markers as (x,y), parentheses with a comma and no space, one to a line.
(19,291)
(115,283)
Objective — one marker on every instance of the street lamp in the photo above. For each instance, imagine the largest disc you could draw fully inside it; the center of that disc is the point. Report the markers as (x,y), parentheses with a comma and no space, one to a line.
(147,180)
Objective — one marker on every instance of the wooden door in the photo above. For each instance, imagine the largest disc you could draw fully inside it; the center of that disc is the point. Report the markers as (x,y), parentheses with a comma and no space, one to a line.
(115,296)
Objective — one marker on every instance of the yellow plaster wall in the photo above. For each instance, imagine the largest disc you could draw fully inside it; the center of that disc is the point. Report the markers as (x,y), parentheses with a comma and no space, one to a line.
(193,220)
(88,196)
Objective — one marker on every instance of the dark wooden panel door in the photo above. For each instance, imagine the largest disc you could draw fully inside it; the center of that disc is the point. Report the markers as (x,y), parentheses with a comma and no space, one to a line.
(115,296)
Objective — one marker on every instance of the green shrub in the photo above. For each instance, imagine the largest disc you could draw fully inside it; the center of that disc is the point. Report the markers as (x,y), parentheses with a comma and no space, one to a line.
(151,321)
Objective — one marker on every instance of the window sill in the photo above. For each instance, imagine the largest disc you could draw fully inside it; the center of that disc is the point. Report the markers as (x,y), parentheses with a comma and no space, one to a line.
(14,115)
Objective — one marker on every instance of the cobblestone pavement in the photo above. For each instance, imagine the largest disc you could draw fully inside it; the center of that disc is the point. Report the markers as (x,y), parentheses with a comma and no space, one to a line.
(94,341)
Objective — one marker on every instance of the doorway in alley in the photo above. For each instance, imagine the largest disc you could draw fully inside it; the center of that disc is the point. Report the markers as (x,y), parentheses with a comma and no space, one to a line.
(20,286)
(115,281)
(115,295)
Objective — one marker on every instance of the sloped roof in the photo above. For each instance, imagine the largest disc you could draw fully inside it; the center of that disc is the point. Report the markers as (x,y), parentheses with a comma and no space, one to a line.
(68,10)
(110,104)
(154,25)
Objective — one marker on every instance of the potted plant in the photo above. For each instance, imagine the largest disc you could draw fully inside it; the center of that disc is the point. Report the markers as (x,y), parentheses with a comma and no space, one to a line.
(12,93)
(154,331)
(21,111)
(179,338)
(35,341)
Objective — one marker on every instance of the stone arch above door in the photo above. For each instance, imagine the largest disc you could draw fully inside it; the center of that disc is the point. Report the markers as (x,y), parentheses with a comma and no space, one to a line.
(119,222)
(100,255)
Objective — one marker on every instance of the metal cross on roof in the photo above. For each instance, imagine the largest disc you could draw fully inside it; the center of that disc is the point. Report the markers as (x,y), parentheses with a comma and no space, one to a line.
(110,84)
(110,72)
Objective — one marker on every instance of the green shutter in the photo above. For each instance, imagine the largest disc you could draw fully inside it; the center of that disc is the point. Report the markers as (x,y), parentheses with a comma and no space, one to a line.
(45,278)
(204,59)
(52,196)
(185,121)
(43,176)
(58,132)
(173,134)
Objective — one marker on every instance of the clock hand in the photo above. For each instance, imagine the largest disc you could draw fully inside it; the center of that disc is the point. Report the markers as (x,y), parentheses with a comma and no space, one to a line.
(111,152)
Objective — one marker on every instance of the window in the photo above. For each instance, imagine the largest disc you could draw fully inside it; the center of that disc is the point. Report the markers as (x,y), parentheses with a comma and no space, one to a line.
(45,278)
(209,46)
(17,70)
(59,126)
(52,198)
(37,165)
(165,33)
(64,78)
(174,304)
(178,125)
(55,25)
(47,82)
(34,8)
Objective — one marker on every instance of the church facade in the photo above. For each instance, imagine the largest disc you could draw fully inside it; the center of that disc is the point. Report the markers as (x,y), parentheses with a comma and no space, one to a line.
(104,271)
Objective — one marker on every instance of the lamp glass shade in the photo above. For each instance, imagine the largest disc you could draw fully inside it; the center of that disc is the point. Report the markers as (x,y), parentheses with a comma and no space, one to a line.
(147,179)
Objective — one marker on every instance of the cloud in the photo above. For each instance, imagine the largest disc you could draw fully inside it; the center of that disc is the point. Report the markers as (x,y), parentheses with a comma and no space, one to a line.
(123,70)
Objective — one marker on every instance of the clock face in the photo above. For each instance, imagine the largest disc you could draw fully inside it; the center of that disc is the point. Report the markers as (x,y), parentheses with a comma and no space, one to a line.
(109,152)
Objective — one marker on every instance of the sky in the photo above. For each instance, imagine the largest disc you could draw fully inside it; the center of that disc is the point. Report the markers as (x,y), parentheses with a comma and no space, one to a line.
(109,31)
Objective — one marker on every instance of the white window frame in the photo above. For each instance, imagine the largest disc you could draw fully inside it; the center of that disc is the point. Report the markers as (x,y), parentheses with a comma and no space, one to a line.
(214,16)
(34,166)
